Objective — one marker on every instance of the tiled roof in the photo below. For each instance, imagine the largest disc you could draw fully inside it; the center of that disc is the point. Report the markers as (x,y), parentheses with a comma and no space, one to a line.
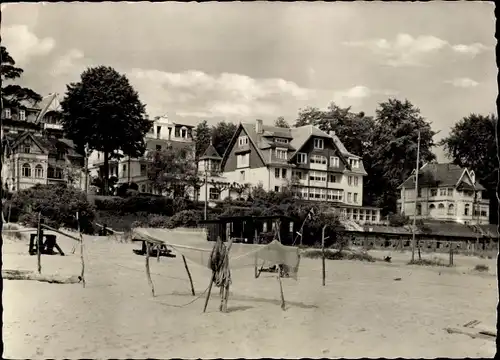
(211,153)
(298,137)
(434,175)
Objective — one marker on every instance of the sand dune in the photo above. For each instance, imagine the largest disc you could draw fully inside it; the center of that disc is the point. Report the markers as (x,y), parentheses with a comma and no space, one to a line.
(361,312)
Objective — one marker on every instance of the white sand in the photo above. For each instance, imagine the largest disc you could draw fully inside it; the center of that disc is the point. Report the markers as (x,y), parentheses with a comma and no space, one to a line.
(361,312)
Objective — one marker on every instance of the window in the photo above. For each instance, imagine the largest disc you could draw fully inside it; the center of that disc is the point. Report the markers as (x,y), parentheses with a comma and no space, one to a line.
(283,173)
(26,148)
(39,171)
(356,181)
(467,210)
(158,147)
(143,169)
(297,175)
(355,214)
(242,175)
(434,192)
(26,170)
(334,161)
(124,167)
(158,132)
(419,209)
(177,132)
(277,188)
(484,213)
(317,194)
(281,140)
(318,144)
(214,194)
(441,208)
(334,195)
(242,141)
(242,160)
(355,197)
(442,192)
(354,163)
(184,133)
(419,192)
(451,209)
(143,188)
(432,206)
(317,176)
(349,196)
(301,158)
(7,113)
(304,193)
(281,154)
(318,159)
(22,115)
(450,191)
(277,173)
(333,178)
(349,180)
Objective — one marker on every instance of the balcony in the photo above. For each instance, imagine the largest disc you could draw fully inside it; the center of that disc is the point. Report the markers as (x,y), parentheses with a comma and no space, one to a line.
(321,167)
(48,126)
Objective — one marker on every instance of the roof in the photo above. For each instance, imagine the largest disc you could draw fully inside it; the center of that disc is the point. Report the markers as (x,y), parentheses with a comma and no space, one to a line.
(297,136)
(435,175)
(211,153)
(48,144)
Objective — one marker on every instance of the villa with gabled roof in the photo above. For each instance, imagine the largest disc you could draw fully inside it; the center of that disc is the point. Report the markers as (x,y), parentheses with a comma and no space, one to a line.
(316,165)
(445,192)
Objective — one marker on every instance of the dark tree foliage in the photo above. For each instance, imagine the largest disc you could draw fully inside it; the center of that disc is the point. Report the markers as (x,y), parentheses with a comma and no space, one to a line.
(471,144)
(13,94)
(281,122)
(103,111)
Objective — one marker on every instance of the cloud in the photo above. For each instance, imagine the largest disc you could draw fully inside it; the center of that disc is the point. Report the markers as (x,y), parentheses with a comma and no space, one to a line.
(407,50)
(463,82)
(23,44)
(68,62)
(195,93)
(356,94)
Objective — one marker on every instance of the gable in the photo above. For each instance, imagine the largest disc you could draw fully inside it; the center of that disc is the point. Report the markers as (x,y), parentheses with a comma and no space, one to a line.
(27,139)
(229,162)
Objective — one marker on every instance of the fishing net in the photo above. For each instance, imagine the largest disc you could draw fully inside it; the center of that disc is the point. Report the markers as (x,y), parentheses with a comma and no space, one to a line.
(195,248)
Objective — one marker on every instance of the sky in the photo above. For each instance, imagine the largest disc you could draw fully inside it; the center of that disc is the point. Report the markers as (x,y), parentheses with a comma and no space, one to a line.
(242,61)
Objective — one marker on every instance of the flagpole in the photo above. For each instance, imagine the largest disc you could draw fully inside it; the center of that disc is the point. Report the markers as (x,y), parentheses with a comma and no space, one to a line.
(416,198)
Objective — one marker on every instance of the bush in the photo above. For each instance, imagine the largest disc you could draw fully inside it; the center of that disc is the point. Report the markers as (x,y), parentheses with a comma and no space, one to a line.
(338,255)
(398,220)
(428,262)
(185,218)
(57,204)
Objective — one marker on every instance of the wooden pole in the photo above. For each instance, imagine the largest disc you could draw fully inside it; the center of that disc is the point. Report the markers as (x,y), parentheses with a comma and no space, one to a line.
(157,253)
(209,291)
(323,254)
(59,232)
(256,272)
(39,243)
(226,286)
(148,273)
(417,168)
(283,305)
(189,275)
(81,249)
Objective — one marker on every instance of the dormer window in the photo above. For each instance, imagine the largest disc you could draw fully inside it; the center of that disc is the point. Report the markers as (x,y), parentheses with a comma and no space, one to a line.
(26,149)
(281,154)
(354,163)
(7,113)
(318,144)
(22,115)
(243,140)
(301,158)
(281,140)
(334,161)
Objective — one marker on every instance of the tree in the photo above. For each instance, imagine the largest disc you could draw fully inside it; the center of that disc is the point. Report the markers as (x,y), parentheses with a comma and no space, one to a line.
(471,144)
(281,122)
(202,136)
(172,171)
(394,150)
(104,111)
(13,94)
(222,134)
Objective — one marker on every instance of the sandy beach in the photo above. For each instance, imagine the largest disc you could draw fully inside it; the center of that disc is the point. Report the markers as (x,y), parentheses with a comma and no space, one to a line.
(361,312)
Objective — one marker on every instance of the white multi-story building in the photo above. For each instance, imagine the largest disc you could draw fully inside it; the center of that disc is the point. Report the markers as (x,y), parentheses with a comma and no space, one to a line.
(445,192)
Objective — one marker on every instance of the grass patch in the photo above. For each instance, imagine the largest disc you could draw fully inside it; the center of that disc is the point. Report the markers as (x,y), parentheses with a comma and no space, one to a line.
(435,261)
(338,255)
(481,268)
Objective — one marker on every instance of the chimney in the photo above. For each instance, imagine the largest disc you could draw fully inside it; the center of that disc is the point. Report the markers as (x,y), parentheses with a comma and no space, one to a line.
(258,126)
(331,133)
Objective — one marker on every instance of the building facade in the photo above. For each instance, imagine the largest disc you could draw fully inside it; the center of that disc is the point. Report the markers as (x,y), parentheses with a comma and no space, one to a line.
(445,192)
(34,148)
(314,164)
(164,134)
